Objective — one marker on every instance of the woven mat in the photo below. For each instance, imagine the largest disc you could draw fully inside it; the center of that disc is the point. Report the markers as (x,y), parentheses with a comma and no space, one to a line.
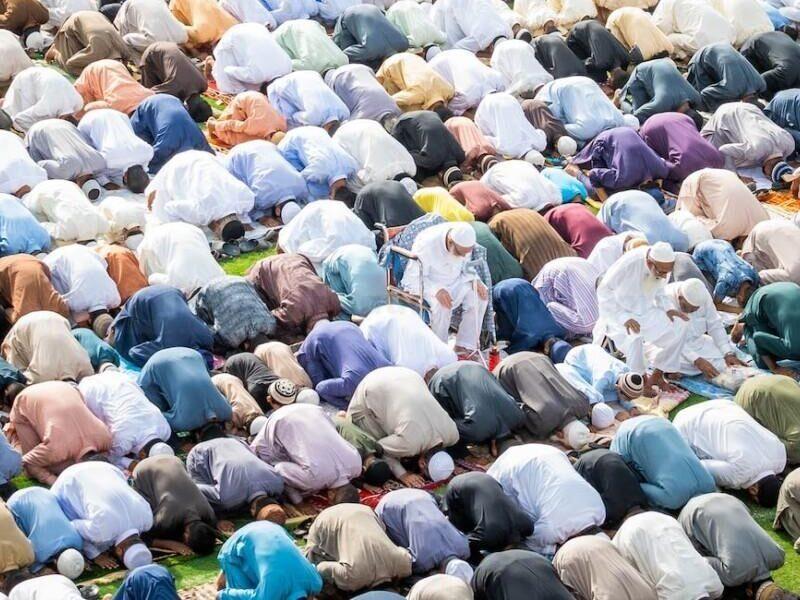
(781,202)
(201,592)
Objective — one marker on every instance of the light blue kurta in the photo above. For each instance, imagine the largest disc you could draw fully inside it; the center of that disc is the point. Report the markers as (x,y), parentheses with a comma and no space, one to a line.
(320,160)
(354,274)
(635,210)
(581,105)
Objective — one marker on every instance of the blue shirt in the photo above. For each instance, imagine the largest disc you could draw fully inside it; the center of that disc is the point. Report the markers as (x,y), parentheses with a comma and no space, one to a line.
(635,210)
(718,260)
(20,232)
(784,109)
(150,582)
(39,516)
(98,350)
(597,368)
(566,183)
(354,274)
(522,317)
(261,562)
(177,382)
(670,471)
(10,461)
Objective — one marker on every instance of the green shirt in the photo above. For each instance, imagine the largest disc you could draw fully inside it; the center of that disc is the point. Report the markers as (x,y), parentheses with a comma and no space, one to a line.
(774,401)
(772,322)
(501,264)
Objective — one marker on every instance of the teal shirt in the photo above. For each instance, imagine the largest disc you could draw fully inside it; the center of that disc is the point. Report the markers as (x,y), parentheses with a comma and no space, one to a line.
(772,322)
(99,351)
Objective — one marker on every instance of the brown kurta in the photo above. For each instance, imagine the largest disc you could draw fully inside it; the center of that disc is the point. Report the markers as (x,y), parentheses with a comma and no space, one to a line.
(349,546)
(19,15)
(244,406)
(86,37)
(123,268)
(167,70)
(16,552)
(25,287)
(280,358)
(529,238)
(53,428)
(481,201)
(471,140)
(540,116)
(294,292)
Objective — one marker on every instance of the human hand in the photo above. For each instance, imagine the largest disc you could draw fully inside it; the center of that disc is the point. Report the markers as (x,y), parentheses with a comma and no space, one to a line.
(412,480)
(444,298)
(673,314)
(632,326)
(706,368)
(733,361)
(483,293)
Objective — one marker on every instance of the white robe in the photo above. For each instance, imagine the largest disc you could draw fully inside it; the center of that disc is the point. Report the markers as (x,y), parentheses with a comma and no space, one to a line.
(122,215)
(246,57)
(177,254)
(143,22)
(470,24)
(521,185)
(694,229)
(692,24)
(748,18)
(610,249)
(412,19)
(15,60)
(44,588)
(403,338)
(559,501)
(535,13)
(657,546)
(470,78)
(380,157)
(250,11)
(80,275)
(40,93)
(304,99)
(104,509)
(17,168)
(110,133)
(122,406)
(61,10)
(500,118)
(65,211)
(516,61)
(731,445)
(322,227)
(195,187)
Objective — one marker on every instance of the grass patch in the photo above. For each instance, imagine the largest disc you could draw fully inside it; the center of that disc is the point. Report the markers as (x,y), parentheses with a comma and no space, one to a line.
(240,264)
(788,576)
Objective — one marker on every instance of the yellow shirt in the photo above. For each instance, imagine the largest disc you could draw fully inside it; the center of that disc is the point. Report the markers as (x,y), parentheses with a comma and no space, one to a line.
(439,200)
(412,83)
(634,27)
(16,551)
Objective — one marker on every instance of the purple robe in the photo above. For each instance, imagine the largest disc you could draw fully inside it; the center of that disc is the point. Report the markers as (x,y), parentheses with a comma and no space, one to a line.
(674,137)
(619,159)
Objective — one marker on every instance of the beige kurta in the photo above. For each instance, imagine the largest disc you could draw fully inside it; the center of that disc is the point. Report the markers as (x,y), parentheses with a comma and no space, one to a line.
(205,20)
(787,513)
(349,546)
(773,248)
(634,27)
(16,552)
(412,83)
(440,587)
(280,358)
(244,406)
(40,344)
(721,202)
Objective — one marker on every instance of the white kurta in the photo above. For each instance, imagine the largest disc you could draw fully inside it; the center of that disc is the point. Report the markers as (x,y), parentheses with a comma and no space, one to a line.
(400,334)
(657,546)
(629,291)
(733,447)
(380,157)
(516,61)
(609,250)
(748,17)
(40,93)
(111,134)
(79,274)
(246,57)
(177,254)
(122,406)
(470,24)
(535,13)
(44,588)
(15,60)
(412,19)
(470,78)
(65,211)
(692,24)
(322,227)
(195,187)
(521,185)
(547,487)
(143,22)
(96,497)
(61,10)
(122,215)
(500,118)
(17,168)
(250,11)
(694,229)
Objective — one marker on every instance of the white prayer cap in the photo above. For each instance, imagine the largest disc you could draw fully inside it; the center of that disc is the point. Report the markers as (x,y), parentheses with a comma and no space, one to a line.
(460,569)
(308,396)
(132,241)
(35,41)
(463,234)
(602,415)
(577,435)
(257,424)
(289,211)
(92,189)
(662,252)
(566,146)
(161,449)
(432,51)
(440,466)
(70,563)
(694,292)
(137,555)
(410,185)
(534,157)
(631,121)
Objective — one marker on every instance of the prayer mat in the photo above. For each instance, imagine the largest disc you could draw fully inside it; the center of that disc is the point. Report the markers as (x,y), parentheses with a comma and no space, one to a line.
(702,387)
(781,202)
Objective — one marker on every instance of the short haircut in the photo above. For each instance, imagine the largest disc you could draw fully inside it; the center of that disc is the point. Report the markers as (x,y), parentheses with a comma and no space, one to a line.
(198,108)
(233,230)
(136,179)
(201,538)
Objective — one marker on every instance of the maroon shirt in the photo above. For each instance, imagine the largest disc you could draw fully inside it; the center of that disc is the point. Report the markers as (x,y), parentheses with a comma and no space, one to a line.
(478,199)
(578,227)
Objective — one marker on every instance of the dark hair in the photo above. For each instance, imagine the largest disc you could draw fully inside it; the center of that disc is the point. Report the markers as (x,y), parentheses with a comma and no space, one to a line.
(136,179)
(12,391)
(768,489)
(260,502)
(443,112)
(233,230)
(198,108)
(5,120)
(201,538)
(13,579)
(377,473)
(109,11)
(696,117)
(211,431)
(619,77)
(347,494)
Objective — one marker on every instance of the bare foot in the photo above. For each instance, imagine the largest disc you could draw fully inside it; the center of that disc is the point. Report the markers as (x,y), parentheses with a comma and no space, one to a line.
(226,528)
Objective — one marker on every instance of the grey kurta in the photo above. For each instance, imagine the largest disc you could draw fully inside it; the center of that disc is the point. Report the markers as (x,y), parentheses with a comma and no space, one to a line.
(350,548)
(549,401)
(59,148)
(721,527)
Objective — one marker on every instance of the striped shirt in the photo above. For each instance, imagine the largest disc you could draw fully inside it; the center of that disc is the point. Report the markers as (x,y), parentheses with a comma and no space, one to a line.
(567,287)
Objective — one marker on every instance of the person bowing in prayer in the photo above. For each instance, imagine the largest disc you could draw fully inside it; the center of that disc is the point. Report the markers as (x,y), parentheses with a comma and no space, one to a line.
(721,74)
(38,93)
(361,92)
(84,38)
(108,84)
(366,36)
(770,248)
(414,84)
(166,69)
(19,173)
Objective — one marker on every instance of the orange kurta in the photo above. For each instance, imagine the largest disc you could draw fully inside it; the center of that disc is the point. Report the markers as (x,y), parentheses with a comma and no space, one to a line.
(123,268)
(109,81)
(248,117)
(25,287)
(205,20)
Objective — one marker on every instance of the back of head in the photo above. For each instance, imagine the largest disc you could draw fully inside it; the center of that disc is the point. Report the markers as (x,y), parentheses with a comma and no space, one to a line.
(201,538)
(198,108)
(233,230)
(768,489)
(5,121)
(443,112)
(619,77)
(136,179)
(696,117)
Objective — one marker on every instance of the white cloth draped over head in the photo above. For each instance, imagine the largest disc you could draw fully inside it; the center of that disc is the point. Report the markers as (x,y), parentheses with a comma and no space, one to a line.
(400,334)
(143,22)
(246,57)
(17,168)
(380,157)
(470,78)
(39,93)
(516,60)
(322,227)
(470,24)
(80,275)
(657,546)
(500,118)
(412,19)
(177,254)
(194,187)
(111,134)
(15,60)
(521,185)
(65,211)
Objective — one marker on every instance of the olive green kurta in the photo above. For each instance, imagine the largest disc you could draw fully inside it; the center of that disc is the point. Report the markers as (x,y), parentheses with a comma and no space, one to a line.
(774,401)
